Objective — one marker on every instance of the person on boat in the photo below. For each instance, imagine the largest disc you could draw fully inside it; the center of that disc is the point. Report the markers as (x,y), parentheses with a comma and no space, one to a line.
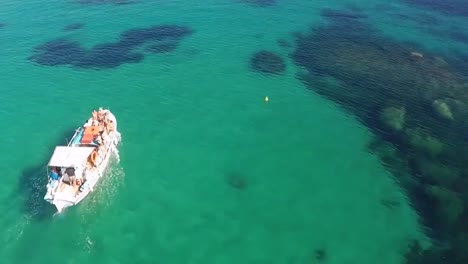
(110,125)
(79,178)
(95,121)
(54,174)
(100,115)
(93,162)
(71,176)
(85,173)
(59,171)
(105,124)
(54,177)
(99,140)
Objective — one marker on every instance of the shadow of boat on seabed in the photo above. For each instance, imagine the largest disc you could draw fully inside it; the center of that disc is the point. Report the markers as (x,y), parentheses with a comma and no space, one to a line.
(32,186)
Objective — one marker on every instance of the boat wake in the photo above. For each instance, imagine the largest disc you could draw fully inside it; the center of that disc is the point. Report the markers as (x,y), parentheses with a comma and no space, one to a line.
(74,170)
(16,231)
(105,192)
(118,139)
(102,196)
(116,155)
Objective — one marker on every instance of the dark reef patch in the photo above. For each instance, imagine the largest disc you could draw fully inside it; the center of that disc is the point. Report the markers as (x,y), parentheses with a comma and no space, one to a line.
(237,180)
(415,254)
(284,43)
(320,255)
(259,3)
(164,47)
(31,186)
(452,33)
(460,62)
(459,35)
(385,7)
(389,203)
(416,103)
(74,26)
(267,62)
(429,24)
(2,25)
(31,189)
(65,52)
(60,52)
(421,19)
(450,7)
(345,14)
(103,2)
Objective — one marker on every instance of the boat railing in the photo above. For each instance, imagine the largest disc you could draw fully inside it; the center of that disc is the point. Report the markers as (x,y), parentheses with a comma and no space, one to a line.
(77,132)
(58,184)
(49,182)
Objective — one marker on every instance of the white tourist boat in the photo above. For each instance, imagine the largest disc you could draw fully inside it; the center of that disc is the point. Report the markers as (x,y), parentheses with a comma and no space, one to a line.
(74,170)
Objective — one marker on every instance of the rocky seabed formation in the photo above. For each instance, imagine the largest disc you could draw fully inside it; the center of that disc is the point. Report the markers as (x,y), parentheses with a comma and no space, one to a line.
(416,103)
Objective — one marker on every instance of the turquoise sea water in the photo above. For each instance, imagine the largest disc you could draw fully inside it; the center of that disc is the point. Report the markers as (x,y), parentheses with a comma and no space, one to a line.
(193,121)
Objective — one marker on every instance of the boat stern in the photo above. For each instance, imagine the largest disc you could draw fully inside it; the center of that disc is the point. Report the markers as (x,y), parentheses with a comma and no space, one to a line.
(60,206)
(57,199)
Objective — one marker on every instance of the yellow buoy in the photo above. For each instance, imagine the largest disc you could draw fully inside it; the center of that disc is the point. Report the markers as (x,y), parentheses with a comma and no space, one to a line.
(266,98)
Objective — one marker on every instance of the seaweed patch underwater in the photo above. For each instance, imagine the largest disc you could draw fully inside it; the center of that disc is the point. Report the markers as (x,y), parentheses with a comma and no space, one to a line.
(259,3)
(73,26)
(267,62)
(102,2)
(450,7)
(62,51)
(414,101)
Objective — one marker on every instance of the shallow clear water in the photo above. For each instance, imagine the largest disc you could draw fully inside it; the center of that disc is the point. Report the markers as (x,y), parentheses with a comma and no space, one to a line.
(194,123)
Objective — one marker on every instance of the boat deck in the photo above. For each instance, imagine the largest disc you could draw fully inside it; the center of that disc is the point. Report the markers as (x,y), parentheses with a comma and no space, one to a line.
(68,190)
(85,157)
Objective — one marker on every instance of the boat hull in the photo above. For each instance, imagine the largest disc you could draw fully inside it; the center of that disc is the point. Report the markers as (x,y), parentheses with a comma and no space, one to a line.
(60,199)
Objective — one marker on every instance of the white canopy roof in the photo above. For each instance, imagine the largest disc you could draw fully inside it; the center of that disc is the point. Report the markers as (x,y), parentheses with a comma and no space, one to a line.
(65,156)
